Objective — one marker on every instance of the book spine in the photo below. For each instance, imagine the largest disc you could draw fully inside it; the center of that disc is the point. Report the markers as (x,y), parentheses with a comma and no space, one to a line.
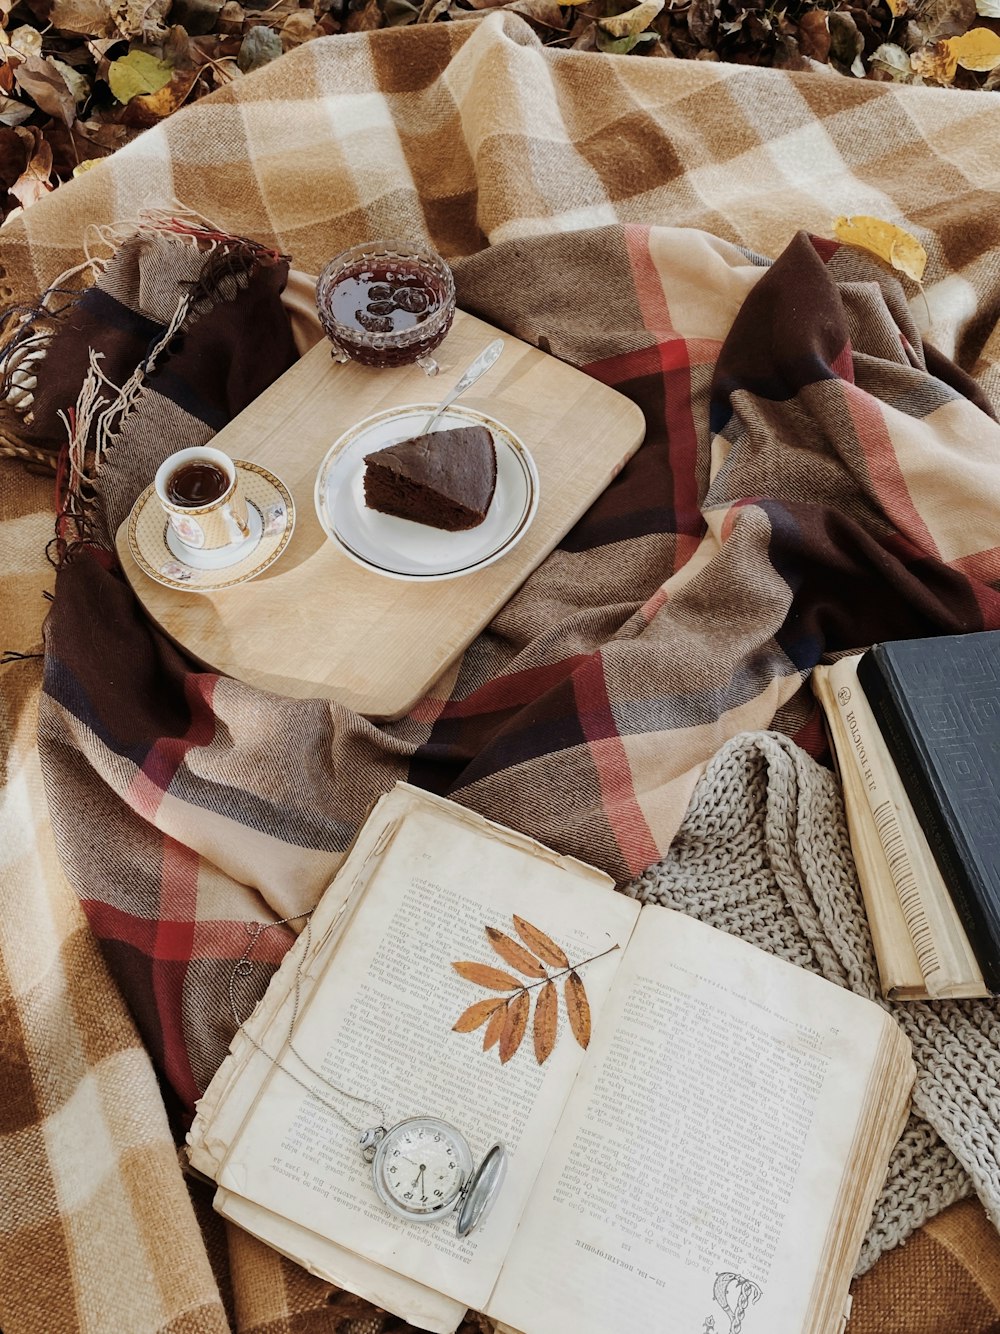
(885,820)
(943,832)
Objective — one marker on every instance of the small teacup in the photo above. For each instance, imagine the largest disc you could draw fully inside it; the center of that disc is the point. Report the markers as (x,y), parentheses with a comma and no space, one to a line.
(203,499)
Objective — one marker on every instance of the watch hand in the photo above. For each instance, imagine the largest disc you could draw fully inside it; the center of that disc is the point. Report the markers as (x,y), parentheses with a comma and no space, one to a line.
(420,1178)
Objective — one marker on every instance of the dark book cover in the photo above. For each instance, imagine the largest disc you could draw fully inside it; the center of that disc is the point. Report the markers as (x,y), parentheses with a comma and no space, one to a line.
(937,704)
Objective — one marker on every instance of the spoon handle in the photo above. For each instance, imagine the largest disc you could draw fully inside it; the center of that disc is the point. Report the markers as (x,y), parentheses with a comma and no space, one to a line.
(472,373)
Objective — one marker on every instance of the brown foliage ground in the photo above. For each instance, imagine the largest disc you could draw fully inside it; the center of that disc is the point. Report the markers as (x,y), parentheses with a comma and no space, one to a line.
(79,78)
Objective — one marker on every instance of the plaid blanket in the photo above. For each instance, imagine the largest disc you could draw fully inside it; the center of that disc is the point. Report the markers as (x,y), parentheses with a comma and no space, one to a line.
(789,501)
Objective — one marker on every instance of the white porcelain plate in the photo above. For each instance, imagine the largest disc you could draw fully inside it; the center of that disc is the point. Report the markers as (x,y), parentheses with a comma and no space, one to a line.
(400,548)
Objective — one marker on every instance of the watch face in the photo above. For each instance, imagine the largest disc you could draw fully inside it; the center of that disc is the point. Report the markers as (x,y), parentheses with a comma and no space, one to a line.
(421,1166)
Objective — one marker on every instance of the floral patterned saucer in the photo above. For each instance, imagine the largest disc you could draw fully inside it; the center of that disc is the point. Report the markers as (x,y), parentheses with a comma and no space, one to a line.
(158,553)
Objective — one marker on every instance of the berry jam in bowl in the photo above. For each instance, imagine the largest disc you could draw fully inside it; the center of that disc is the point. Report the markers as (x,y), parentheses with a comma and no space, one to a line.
(386,303)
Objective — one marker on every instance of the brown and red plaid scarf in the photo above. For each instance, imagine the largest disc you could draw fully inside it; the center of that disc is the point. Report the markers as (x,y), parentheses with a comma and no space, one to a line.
(688,604)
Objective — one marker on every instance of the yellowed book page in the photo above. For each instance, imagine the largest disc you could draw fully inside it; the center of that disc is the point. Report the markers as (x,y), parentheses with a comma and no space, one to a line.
(378,1023)
(422,1307)
(935,931)
(695,1171)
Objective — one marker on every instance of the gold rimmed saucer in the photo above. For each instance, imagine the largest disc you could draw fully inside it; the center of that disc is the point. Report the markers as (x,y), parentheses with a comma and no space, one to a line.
(156,551)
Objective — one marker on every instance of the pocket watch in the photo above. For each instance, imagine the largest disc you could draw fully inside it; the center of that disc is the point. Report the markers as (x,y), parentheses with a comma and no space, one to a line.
(423,1169)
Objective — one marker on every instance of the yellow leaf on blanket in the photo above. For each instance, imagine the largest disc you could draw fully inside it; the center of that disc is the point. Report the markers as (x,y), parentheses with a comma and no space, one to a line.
(884,239)
(897,7)
(978,49)
(633,21)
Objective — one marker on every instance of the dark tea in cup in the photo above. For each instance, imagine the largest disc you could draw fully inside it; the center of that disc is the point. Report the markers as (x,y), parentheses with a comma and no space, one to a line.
(197,483)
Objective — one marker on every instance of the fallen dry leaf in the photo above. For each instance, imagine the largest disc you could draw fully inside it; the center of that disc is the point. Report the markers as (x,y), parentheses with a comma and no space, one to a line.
(892,61)
(33,183)
(137,75)
(518,1010)
(13,112)
(884,239)
(476,1015)
(578,1009)
(633,21)
(979,49)
(89,18)
(814,35)
(45,85)
(514,954)
(936,63)
(546,1021)
(146,109)
(485,976)
(543,946)
(25,40)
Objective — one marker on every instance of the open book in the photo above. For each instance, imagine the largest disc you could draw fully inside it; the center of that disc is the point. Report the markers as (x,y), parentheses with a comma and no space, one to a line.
(921,947)
(715,1150)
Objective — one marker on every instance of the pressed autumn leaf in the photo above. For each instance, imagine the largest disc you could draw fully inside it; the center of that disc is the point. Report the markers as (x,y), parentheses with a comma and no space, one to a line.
(546,1019)
(137,74)
(543,946)
(884,239)
(577,1008)
(485,976)
(495,1027)
(518,1009)
(476,1015)
(514,954)
(978,49)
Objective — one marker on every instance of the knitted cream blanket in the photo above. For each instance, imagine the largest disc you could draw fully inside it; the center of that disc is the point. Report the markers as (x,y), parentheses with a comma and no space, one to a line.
(764,854)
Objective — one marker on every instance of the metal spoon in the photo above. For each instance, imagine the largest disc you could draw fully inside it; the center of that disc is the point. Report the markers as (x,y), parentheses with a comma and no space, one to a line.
(481,364)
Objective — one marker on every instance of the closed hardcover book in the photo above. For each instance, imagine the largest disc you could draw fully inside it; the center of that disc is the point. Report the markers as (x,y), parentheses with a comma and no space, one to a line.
(937,704)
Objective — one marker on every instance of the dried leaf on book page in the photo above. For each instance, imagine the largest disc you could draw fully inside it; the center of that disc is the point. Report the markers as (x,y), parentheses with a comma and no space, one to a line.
(544,947)
(514,954)
(476,1015)
(495,1027)
(518,1010)
(546,1019)
(485,976)
(578,1008)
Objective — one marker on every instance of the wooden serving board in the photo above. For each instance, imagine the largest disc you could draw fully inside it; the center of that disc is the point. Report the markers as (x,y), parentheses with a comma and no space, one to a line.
(316,623)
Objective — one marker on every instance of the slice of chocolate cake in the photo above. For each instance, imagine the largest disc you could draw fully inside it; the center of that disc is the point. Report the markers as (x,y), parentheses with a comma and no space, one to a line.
(445,479)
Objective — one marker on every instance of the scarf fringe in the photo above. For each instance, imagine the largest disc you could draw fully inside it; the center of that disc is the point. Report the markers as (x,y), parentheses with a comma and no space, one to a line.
(95,422)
